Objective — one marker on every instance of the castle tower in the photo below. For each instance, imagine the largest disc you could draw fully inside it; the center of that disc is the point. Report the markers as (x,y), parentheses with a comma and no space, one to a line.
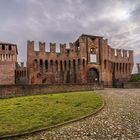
(8,59)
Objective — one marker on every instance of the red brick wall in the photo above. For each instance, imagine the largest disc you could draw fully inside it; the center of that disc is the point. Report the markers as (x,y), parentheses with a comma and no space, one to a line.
(22,90)
(7,73)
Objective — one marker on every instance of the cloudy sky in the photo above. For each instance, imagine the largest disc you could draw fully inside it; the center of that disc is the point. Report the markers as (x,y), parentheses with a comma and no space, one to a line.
(65,20)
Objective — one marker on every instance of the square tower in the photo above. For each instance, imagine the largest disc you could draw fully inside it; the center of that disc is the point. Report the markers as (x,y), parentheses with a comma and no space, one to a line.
(8,59)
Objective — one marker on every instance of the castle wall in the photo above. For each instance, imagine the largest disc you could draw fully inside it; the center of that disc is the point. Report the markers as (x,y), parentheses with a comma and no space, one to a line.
(7,73)
(89,59)
(51,67)
(7,91)
(116,64)
(132,85)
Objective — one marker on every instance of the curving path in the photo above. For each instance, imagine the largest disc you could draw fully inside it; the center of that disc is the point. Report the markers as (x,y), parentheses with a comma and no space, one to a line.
(119,120)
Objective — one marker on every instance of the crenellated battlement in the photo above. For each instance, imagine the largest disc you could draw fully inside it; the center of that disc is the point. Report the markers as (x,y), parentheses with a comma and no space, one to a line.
(120,53)
(116,55)
(42,46)
(52,47)
(62,48)
(30,43)
(8,52)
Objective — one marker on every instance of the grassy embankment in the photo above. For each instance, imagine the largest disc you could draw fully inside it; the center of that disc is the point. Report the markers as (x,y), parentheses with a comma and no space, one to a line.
(32,112)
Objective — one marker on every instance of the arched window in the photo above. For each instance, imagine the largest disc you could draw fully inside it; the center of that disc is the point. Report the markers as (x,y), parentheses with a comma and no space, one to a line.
(74,65)
(3,47)
(120,67)
(46,65)
(24,73)
(109,65)
(6,56)
(18,74)
(65,64)
(41,62)
(112,67)
(74,71)
(129,67)
(51,65)
(104,64)
(61,66)
(56,65)
(10,48)
(35,65)
(117,67)
(84,63)
(41,65)
(123,67)
(79,63)
(69,64)
(126,67)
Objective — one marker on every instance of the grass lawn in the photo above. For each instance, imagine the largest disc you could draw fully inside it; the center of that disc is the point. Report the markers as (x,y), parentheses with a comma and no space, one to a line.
(32,112)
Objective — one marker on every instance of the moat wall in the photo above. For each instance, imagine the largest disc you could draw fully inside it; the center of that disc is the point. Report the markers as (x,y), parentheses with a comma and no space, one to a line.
(7,91)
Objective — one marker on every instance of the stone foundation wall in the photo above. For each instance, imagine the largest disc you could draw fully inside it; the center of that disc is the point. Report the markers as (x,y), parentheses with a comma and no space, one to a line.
(7,91)
(132,85)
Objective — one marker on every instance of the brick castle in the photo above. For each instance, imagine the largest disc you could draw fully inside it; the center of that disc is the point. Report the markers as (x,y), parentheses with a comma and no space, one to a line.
(89,59)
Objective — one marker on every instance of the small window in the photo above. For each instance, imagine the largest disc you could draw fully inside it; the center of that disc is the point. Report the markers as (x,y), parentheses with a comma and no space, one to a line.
(78,48)
(92,50)
(67,52)
(105,64)
(3,47)
(10,48)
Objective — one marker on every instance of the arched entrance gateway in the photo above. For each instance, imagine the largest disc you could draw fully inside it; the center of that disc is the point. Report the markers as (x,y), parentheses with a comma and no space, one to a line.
(93,75)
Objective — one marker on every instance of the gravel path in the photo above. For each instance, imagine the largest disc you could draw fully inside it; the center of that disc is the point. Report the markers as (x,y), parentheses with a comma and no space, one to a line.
(119,120)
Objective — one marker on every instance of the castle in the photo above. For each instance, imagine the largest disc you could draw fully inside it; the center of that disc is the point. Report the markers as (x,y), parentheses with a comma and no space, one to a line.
(87,60)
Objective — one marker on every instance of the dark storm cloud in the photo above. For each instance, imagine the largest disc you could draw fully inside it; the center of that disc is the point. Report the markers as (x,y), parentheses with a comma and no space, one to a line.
(64,20)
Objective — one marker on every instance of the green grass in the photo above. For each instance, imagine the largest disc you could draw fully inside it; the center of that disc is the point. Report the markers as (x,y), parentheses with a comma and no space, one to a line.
(135,78)
(32,112)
